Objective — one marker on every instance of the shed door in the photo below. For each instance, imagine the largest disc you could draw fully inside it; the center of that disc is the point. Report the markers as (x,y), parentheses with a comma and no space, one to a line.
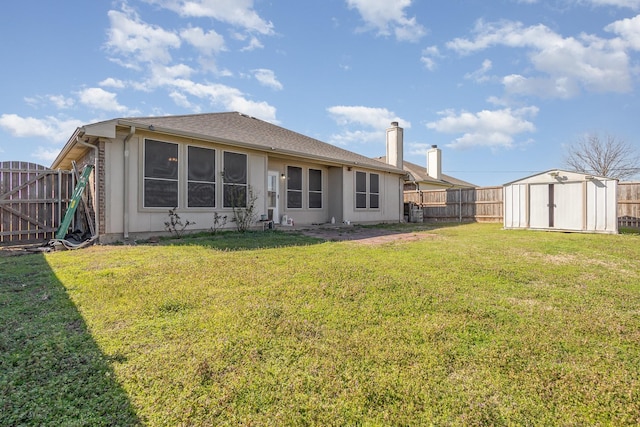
(569,200)
(539,209)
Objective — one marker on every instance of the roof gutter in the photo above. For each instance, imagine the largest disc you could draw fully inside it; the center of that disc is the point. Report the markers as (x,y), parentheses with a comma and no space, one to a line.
(125,192)
(78,133)
(96,204)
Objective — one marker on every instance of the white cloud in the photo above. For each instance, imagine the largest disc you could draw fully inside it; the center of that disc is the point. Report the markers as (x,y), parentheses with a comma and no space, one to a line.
(389,17)
(628,30)
(60,101)
(100,99)
(480,75)
(46,155)
(558,87)
(267,78)
(631,4)
(50,127)
(254,44)
(181,100)
(138,41)
(362,124)
(111,82)
(565,64)
(495,129)
(428,57)
(377,118)
(207,43)
(226,97)
(235,12)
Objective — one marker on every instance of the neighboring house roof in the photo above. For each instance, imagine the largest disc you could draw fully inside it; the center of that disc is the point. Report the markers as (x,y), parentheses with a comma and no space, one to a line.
(420,174)
(236,129)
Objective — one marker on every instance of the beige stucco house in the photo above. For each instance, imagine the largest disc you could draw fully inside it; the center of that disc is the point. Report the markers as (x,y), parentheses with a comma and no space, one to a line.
(204,163)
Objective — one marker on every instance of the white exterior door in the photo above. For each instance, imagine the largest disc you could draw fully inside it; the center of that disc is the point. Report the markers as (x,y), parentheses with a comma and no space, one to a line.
(273,196)
(569,201)
(539,206)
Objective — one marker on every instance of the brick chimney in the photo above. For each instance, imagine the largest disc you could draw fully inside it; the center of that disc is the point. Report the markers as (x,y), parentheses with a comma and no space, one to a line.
(394,145)
(434,162)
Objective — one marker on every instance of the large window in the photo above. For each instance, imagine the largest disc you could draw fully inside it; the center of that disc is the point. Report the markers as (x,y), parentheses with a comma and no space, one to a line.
(367,190)
(315,188)
(235,180)
(201,177)
(160,174)
(374,191)
(294,187)
(361,190)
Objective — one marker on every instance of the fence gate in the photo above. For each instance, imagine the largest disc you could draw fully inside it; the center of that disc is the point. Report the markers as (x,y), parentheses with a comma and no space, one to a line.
(33,200)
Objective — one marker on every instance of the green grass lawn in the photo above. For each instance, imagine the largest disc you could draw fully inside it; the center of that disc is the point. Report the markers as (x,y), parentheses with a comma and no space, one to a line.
(473,325)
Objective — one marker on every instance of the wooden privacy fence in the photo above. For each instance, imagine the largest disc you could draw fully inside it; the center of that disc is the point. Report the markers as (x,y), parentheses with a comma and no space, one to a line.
(484,204)
(629,204)
(33,200)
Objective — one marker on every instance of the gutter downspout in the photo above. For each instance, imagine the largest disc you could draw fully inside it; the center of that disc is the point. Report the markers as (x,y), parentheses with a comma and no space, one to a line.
(125,204)
(96,204)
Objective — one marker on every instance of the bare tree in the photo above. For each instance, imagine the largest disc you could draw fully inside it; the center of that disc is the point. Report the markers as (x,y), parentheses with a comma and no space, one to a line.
(610,157)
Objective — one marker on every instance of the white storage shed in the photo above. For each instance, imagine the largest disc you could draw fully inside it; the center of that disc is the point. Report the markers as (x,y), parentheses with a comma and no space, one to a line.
(562,201)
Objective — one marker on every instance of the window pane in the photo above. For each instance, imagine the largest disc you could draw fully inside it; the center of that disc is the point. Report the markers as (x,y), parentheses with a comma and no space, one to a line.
(235,196)
(235,168)
(294,199)
(374,201)
(202,164)
(361,200)
(160,194)
(315,200)
(374,186)
(315,180)
(201,195)
(294,175)
(160,160)
(361,182)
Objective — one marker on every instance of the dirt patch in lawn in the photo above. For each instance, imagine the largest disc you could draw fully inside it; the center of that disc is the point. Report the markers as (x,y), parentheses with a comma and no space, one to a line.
(366,236)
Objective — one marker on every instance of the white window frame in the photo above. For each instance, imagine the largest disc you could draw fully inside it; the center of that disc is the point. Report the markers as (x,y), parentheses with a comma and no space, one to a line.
(190,181)
(290,190)
(310,191)
(367,193)
(226,184)
(145,178)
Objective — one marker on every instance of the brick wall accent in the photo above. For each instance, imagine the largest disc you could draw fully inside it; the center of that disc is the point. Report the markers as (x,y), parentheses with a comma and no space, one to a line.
(101,193)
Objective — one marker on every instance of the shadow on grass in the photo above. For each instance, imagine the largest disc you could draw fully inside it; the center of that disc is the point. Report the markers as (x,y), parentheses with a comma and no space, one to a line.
(234,241)
(51,370)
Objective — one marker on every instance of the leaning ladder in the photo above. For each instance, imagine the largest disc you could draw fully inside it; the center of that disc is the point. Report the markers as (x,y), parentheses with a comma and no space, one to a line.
(77,196)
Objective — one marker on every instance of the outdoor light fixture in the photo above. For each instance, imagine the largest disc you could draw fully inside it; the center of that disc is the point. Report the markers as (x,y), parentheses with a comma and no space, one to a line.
(282,176)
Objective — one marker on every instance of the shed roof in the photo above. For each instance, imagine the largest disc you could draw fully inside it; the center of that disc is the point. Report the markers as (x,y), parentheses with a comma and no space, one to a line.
(559,175)
(242,130)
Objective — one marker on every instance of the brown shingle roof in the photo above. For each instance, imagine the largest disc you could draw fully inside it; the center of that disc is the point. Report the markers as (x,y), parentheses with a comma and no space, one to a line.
(240,129)
(420,174)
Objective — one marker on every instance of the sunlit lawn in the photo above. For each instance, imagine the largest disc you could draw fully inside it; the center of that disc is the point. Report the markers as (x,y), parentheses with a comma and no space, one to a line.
(472,325)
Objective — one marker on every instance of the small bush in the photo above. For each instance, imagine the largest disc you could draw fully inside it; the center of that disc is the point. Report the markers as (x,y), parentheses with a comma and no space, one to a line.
(174,225)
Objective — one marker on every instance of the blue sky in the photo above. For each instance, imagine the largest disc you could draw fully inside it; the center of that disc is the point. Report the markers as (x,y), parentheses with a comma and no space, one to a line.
(502,87)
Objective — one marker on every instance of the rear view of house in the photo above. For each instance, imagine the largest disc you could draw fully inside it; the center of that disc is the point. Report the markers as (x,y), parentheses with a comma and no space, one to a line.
(206,163)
